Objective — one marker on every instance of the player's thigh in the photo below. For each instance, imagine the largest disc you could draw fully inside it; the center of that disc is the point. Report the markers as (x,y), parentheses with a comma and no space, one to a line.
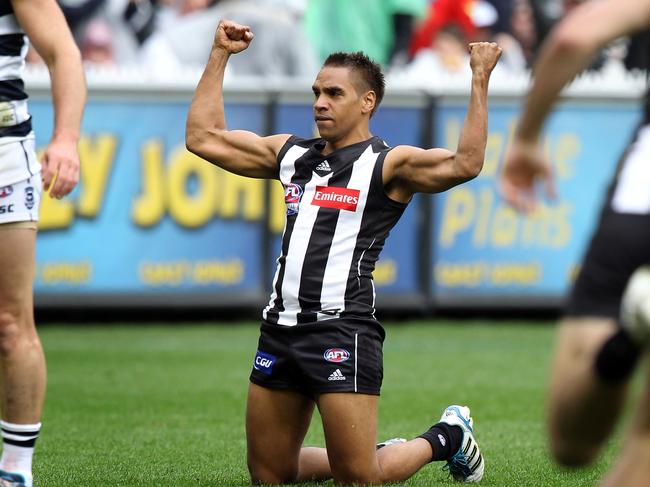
(17,263)
(276,424)
(19,205)
(577,342)
(582,338)
(350,426)
(573,381)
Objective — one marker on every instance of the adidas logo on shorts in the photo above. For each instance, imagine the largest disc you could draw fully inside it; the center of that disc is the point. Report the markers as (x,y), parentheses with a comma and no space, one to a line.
(336,375)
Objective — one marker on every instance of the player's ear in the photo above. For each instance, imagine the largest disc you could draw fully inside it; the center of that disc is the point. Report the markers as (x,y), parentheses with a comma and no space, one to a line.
(369,101)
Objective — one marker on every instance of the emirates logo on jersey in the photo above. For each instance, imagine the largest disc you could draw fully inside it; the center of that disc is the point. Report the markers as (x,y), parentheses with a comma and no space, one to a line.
(338,198)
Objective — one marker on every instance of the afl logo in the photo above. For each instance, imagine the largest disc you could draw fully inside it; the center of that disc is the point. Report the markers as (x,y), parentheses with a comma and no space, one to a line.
(336,355)
(292,196)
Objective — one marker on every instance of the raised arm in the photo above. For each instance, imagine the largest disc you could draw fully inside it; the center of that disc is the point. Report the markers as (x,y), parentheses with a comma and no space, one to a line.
(568,50)
(409,170)
(206,135)
(47,30)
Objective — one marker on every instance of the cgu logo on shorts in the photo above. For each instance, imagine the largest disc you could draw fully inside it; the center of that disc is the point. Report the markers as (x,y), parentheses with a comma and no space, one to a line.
(292,196)
(264,362)
(336,355)
(338,198)
(6,191)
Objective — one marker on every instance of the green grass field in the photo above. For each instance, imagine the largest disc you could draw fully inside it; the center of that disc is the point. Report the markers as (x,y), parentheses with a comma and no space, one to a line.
(163,405)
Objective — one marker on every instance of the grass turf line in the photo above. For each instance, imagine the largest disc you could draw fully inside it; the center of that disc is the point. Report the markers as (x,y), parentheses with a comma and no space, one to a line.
(135,405)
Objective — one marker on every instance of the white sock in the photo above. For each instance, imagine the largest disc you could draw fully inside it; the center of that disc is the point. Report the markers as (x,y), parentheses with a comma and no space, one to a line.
(18,448)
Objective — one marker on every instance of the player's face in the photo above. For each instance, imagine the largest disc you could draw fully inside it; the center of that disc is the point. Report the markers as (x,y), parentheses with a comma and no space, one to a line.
(337,104)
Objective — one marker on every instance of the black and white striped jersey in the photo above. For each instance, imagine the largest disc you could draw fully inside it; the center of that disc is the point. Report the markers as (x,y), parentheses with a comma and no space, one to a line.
(15,121)
(338,217)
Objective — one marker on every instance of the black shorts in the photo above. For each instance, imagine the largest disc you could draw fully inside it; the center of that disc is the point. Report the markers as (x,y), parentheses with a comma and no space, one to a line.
(620,244)
(338,355)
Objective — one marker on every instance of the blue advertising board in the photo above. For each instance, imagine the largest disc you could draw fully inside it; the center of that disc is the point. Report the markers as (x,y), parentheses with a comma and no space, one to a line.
(150,220)
(150,223)
(485,252)
(397,274)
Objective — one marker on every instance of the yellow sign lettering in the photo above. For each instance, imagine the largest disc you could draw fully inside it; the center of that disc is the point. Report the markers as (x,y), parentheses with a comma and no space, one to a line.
(55,214)
(149,208)
(385,272)
(458,214)
(250,191)
(97,158)
(191,210)
(202,273)
(277,207)
(75,273)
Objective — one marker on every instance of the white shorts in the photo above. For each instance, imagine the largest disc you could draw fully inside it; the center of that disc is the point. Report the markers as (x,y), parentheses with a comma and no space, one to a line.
(19,202)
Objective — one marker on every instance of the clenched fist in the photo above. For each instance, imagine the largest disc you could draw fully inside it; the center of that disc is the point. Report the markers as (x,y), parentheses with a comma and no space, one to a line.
(483,56)
(232,37)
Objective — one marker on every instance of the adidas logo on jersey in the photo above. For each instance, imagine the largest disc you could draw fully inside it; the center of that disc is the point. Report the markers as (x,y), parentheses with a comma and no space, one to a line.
(324,167)
(336,375)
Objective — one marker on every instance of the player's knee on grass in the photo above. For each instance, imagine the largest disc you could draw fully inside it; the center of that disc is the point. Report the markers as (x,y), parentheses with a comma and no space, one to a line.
(570,454)
(275,474)
(354,473)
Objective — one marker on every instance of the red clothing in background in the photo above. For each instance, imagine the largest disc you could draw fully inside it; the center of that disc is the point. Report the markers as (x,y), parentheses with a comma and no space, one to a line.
(441,14)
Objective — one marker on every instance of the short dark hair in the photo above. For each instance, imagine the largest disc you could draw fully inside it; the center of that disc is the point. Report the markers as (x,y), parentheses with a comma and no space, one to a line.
(368,70)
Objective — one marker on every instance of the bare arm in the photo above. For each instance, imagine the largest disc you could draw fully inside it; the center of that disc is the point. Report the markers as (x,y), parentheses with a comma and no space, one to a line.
(410,169)
(206,135)
(570,48)
(47,30)
(567,51)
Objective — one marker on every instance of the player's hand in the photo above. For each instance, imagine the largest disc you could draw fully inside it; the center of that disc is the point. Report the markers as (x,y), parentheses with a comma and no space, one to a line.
(232,37)
(524,169)
(483,56)
(60,167)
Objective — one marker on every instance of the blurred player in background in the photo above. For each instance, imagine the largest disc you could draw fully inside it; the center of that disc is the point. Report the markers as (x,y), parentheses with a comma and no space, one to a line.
(594,356)
(22,363)
(320,344)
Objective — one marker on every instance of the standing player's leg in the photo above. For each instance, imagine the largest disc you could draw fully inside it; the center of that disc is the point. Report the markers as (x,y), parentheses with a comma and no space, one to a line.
(594,356)
(22,363)
(632,469)
(633,465)
(583,408)
(276,424)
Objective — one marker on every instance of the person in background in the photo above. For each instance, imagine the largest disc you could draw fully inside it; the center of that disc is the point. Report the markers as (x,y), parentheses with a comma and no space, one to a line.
(97,44)
(448,50)
(524,28)
(382,30)
(185,41)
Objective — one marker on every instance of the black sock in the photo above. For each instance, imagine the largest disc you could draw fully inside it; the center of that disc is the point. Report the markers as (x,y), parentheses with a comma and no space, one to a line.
(617,359)
(445,440)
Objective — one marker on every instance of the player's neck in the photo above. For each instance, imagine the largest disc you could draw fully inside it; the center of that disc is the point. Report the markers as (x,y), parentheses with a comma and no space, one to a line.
(350,138)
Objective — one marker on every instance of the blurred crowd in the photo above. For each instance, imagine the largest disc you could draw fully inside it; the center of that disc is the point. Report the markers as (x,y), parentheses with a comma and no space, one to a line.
(414,38)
